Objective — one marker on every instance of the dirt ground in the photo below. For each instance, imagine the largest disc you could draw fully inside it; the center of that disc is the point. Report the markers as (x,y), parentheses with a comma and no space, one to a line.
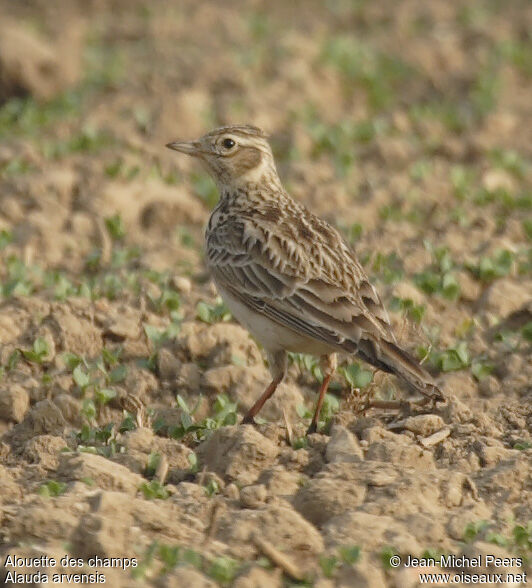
(407,124)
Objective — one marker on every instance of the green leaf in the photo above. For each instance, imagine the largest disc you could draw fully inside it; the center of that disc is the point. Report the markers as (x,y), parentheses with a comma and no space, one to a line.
(118,374)
(81,378)
(473,529)
(5,239)
(212,488)
(203,312)
(386,554)
(71,360)
(115,226)
(88,409)
(452,359)
(523,536)
(350,554)
(329,565)
(481,370)
(300,443)
(111,357)
(522,445)
(191,557)
(104,395)
(497,266)
(186,421)
(154,334)
(526,332)
(303,412)
(154,459)
(223,569)
(193,461)
(356,376)
(38,351)
(182,404)
(450,288)
(128,423)
(40,346)
(170,555)
(52,489)
(497,539)
(212,314)
(154,490)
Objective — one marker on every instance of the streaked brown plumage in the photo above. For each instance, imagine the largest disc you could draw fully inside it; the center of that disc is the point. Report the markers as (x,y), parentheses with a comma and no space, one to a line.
(288,276)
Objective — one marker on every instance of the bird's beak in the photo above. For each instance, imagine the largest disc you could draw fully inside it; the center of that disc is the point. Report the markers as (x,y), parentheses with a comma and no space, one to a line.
(188,147)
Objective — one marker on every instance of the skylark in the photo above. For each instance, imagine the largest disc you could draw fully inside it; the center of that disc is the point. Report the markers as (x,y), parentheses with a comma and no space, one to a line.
(288,276)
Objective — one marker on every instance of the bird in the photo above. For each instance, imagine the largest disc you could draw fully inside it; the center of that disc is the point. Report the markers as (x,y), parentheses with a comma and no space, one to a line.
(288,276)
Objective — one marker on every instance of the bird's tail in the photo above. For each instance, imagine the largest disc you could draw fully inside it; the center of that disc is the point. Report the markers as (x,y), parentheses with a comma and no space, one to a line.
(389,357)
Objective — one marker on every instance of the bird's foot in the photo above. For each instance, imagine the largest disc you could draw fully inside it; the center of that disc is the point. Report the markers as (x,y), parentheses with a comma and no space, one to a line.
(402,405)
(248,420)
(312,429)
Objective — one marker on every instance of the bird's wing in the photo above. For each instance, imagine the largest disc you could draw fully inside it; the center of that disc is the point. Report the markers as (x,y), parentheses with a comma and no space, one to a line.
(309,281)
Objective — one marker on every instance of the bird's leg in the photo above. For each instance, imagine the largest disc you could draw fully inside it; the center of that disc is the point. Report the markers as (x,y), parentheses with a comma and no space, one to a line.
(278,365)
(328,364)
(254,410)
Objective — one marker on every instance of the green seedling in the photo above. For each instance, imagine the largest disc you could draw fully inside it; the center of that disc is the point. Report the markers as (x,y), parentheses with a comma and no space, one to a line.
(52,489)
(223,569)
(212,314)
(385,555)
(497,266)
(439,278)
(448,360)
(329,564)
(356,376)
(115,227)
(154,490)
(38,352)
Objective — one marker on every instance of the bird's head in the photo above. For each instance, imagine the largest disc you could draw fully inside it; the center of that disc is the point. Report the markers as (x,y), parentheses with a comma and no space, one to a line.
(234,155)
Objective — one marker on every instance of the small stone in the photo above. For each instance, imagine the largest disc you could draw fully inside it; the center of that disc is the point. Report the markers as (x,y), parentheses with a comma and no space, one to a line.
(424,424)
(140,439)
(324,498)
(45,450)
(401,451)
(14,403)
(9,489)
(505,296)
(70,407)
(123,326)
(497,179)
(220,343)
(489,386)
(77,334)
(279,525)
(104,473)
(101,532)
(44,417)
(470,289)
(407,291)
(238,453)
(343,446)
(253,496)
(167,364)
(231,492)
(182,284)
(190,376)
(280,481)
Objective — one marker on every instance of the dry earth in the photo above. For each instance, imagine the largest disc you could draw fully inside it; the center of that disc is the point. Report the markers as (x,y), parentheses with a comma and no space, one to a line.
(405,123)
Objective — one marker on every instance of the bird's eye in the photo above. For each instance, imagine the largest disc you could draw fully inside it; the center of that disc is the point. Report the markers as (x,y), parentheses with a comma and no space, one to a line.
(228,143)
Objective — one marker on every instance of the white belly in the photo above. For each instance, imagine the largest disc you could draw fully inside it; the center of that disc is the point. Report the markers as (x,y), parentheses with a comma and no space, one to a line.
(272,336)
